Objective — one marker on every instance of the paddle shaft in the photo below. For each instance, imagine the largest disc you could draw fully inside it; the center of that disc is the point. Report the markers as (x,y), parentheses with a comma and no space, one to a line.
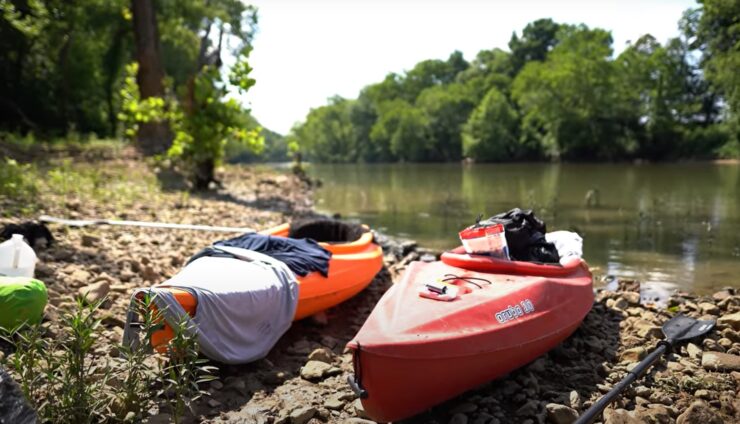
(83,223)
(598,407)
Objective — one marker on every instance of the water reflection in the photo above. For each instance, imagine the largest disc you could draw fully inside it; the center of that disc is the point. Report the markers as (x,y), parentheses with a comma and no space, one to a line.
(666,224)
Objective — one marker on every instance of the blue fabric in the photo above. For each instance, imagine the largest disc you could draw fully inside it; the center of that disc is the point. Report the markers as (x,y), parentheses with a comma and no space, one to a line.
(302,256)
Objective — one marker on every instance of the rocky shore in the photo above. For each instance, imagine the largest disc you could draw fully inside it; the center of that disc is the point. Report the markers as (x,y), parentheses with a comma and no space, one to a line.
(303,379)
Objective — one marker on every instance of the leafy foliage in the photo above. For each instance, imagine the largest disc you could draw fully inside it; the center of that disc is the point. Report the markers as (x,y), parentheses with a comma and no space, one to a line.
(558,94)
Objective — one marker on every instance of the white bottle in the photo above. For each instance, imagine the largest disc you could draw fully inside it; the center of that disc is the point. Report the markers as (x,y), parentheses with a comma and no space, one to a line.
(17,259)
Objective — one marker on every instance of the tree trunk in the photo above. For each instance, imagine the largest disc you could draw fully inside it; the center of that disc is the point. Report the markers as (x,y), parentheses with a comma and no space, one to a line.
(153,137)
(204,174)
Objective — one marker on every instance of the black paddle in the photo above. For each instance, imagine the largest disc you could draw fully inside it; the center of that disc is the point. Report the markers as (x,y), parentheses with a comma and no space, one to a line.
(677,329)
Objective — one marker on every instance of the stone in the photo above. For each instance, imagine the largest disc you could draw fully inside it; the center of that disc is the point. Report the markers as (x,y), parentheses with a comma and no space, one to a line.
(635,354)
(359,409)
(693,350)
(302,415)
(80,276)
(654,414)
(217,385)
(459,418)
(731,320)
(709,308)
(321,354)
(464,408)
(720,361)
(529,408)
(702,394)
(560,414)
(213,403)
(89,240)
(94,292)
(314,370)
(725,342)
(301,347)
(355,420)
(150,275)
(334,403)
(13,405)
(620,416)
(632,297)
(646,329)
(621,303)
(575,399)
(699,412)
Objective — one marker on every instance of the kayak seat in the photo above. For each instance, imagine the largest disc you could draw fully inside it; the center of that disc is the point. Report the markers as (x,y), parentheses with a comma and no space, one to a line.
(326,230)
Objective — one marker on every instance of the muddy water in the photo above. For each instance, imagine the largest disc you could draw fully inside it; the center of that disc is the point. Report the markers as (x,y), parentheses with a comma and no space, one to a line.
(672,225)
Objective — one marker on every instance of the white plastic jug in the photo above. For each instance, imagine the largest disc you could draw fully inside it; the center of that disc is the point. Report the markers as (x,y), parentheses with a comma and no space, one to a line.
(17,259)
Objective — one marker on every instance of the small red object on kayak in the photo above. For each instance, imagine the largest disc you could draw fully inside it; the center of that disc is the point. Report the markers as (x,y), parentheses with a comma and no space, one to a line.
(414,352)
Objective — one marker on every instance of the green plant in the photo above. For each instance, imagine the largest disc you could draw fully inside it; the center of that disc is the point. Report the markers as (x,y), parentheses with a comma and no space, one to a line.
(17,180)
(184,370)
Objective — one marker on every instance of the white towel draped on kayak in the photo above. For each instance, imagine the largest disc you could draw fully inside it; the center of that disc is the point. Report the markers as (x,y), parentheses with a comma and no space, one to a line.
(244,305)
(568,244)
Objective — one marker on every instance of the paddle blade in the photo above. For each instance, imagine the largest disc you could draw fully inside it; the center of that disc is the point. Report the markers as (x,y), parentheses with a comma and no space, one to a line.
(681,327)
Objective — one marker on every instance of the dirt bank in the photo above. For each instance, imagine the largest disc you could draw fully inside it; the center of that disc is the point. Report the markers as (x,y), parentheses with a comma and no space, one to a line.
(699,383)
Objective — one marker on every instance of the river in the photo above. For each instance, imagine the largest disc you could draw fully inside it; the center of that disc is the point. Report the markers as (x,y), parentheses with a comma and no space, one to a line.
(669,225)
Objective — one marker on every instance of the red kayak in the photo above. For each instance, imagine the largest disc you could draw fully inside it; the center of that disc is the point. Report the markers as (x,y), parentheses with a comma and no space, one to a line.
(414,352)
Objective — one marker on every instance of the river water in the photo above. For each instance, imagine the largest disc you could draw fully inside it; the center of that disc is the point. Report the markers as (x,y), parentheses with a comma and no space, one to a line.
(669,225)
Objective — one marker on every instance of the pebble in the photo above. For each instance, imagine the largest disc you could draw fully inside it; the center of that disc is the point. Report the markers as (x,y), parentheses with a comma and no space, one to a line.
(699,413)
(334,403)
(730,320)
(635,354)
(560,414)
(321,354)
(302,415)
(314,370)
(693,350)
(458,418)
(720,361)
(94,292)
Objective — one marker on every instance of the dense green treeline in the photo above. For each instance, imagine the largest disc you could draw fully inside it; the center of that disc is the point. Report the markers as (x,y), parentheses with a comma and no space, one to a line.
(559,93)
(152,71)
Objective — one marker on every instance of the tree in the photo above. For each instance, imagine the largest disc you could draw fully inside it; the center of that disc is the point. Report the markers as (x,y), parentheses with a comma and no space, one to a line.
(492,131)
(446,109)
(154,136)
(538,38)
(714,29)
(568,101)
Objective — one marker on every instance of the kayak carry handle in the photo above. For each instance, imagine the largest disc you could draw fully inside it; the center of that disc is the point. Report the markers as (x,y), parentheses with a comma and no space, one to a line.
(356,387)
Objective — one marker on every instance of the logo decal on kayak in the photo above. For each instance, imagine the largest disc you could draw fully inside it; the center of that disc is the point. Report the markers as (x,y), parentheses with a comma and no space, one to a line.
(512,312)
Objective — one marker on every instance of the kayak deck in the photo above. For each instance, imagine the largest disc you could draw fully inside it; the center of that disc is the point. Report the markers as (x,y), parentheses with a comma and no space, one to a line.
(414,352)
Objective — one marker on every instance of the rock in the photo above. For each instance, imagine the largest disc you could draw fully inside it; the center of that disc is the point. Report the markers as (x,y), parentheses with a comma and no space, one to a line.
(702,394)
(355,420)
(575,399)
(322,355)
(300,347)
(709,308)
(620,416)
(150,275)
(529,408)
(731,320)
(334,403)
(302,415)
(217,385)
(94,292)
(464,408)
(160,419)
(359,409)
(213,403)
(80,276)
(13,406)
(459,418)
(693,350)
(314,370)
(90,241)
(725,342)
(560,414)
(621,303)
(699,412)
(720,361)
(632,297)
(646,329)
(654,414)
(635,354)
(320,319)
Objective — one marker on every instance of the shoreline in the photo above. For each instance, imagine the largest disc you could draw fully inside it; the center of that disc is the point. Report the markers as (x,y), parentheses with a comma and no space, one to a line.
(616,333)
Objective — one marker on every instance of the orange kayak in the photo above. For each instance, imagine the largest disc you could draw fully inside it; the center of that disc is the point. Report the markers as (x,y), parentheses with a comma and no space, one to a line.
(352,267)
